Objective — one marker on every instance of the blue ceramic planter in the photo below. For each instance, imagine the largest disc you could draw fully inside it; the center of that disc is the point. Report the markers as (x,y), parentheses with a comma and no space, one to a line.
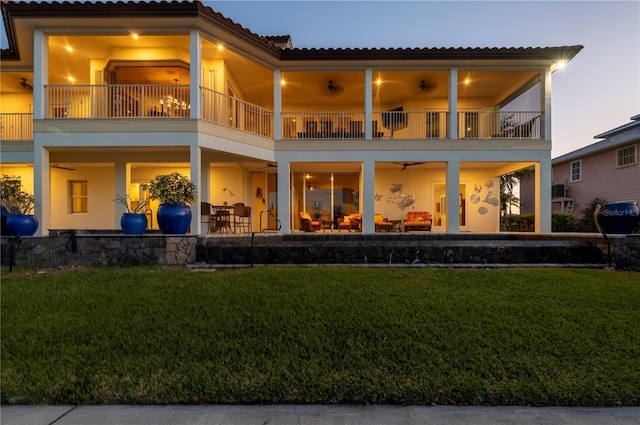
(21,225)
(174,219)
(617,217)
(133,224)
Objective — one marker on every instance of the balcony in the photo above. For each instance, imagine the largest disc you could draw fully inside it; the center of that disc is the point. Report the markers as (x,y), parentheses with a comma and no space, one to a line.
(16,127)
(412,125)
(150,101)
(118,101)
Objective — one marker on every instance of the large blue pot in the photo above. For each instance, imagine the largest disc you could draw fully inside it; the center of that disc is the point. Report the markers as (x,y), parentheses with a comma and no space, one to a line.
(617,217)
(174,219)
(3,228)
(21,224)
(133,224)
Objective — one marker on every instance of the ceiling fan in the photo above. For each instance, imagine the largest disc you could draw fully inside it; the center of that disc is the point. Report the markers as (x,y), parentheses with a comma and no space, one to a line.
(408,164)
(25,85)
(269,165)
(60,167)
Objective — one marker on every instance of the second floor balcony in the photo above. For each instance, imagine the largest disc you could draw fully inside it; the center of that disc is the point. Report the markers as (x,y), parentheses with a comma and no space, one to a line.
(154,101)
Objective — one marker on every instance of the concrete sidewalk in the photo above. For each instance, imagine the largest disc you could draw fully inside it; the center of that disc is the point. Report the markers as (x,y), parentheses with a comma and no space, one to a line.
(313,414)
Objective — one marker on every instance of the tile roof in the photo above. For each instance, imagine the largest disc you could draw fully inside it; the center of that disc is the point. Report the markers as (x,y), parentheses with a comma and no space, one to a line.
(273,44)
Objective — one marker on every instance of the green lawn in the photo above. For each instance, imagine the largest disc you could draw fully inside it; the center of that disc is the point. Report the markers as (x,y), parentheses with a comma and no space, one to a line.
(322,335)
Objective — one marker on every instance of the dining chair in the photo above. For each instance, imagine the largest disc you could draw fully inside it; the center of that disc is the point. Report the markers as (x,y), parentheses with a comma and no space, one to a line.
(206,216)
(238,211)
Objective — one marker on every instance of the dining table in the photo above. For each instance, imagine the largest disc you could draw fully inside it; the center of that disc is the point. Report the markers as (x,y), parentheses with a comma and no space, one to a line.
(221,215)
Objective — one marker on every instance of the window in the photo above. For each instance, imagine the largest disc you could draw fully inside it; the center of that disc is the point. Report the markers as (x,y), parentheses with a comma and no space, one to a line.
(78,199)
(576,171)
(626,156)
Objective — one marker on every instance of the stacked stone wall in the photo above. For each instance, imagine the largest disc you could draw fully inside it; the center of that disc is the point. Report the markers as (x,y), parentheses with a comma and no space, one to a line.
(89,250)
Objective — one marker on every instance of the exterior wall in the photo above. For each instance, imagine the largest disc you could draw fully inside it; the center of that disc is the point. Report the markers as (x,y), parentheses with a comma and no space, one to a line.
(600,179)
(16,103)
(481,196)
(25,174)
(101,191)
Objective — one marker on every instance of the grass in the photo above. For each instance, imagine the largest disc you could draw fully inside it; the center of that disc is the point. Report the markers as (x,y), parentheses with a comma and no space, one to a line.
(321,335)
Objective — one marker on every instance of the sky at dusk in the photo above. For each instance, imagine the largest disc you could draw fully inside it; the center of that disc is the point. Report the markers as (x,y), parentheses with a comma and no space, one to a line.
(598,91)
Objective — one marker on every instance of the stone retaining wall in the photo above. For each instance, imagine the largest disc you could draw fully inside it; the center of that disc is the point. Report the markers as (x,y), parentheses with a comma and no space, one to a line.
(112,249)
(96,250)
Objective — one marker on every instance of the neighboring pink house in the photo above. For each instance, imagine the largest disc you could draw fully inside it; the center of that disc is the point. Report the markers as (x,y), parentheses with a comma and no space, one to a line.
(607,169)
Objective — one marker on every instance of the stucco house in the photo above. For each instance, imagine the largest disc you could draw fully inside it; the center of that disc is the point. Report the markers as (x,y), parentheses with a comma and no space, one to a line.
(99,98)
(607,169)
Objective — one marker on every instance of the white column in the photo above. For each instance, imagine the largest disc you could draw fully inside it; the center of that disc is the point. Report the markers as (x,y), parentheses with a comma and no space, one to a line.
(453,103)
(543,196)
(195,157)
(42,188)
(205,190)
(122,179)
(453,196)
(545,103)
(368,195)
(195,74)
(40,73)
(284,196)
(277,104)
(368,103)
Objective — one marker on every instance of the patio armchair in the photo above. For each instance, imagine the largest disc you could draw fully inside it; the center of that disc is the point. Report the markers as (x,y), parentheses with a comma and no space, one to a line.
(350,222)
(308,224)
(382,224)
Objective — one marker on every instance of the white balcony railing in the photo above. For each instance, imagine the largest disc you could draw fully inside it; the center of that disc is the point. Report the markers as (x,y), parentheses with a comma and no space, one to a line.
(350,125)
(117,101)
(173,101)
(500,125)
(235,113)
(323,125)
(16,127)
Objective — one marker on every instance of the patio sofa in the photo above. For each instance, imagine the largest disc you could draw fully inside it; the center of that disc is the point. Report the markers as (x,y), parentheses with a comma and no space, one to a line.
(418,221)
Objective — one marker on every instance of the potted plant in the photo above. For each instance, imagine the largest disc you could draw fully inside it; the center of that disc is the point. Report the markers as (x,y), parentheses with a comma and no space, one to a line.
(176,193)
(134,220)
(17,205)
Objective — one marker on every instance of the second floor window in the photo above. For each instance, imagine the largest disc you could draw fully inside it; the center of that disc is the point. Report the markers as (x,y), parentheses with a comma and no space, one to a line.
(626,156)
(78,198)
(576,171)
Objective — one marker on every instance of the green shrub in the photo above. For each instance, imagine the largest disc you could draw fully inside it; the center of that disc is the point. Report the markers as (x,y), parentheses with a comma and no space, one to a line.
(585,222)
(562,222)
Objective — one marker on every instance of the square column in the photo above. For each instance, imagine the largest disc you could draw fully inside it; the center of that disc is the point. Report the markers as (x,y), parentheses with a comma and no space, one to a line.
(195,155)
(122,179)
(195,74)
(42,188)
(277,104)
(543,200)
(368,103)
(453,196)
(453,104)
(40,73)
(284,195)
(368,196)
